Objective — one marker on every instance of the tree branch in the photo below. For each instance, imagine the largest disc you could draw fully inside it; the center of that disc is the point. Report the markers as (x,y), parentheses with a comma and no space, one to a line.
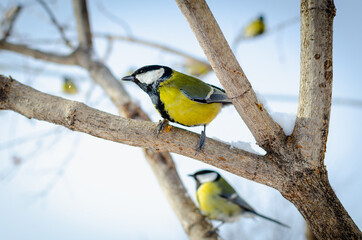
(38,54)
(79,117)
(83,26)
(311,129)
(267,133)
(10,21)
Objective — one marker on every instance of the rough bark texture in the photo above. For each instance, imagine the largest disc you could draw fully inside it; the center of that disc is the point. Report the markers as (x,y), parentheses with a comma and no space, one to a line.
(79,117)
(311,129)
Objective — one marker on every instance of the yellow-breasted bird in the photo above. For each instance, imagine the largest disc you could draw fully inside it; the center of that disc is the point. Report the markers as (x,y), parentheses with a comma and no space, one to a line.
(69,86)
(255,28)
(219,201)
(179,97)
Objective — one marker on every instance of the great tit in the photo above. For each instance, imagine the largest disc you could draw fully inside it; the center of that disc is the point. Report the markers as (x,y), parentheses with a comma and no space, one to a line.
(219,201)
(69,86)
(255,28)
(179,97)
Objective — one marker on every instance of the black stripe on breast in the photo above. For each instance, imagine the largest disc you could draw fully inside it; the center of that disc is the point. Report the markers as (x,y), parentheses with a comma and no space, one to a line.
(156,100)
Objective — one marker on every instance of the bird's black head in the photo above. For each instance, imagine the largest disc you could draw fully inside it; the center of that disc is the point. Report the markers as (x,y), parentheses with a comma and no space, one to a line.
(149,77)
(204,176)
(261,18)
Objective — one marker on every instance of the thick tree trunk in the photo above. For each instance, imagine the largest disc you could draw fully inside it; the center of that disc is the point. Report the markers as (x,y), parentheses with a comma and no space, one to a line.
(315,199)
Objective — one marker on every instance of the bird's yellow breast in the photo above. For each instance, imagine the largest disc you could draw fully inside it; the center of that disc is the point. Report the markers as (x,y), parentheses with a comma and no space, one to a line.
(185,111)
(214,206)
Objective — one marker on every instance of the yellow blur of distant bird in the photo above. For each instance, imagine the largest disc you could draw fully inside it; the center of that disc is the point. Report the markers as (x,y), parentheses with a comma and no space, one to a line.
(252,30)
(69,86)
(196,68)
(255,28)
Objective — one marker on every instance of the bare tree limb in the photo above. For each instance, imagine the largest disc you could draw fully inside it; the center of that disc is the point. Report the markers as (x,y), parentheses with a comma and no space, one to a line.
(315,95)
(10,21)
(56,24)
(38,54)
(79,117)
(267,133)
(83,26)
(132,39)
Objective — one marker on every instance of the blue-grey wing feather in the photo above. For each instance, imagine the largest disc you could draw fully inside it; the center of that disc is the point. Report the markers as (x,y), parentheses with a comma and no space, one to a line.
(235,198)
(210,95)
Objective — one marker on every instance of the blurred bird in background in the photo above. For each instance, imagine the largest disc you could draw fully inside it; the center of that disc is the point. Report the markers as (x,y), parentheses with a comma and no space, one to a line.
(219,201)
(69,86)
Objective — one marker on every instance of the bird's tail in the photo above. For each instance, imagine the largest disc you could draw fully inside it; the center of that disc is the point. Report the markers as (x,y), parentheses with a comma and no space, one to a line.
(273,220)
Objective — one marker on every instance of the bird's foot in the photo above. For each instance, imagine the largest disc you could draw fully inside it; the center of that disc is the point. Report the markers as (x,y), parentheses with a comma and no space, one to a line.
(163,126)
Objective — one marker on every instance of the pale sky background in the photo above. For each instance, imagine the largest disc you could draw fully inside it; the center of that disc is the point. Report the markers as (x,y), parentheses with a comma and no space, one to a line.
(74,186)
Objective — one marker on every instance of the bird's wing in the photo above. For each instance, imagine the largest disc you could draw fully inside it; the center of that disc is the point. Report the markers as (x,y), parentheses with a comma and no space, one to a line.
(235,198)
(205,94)
(229,193)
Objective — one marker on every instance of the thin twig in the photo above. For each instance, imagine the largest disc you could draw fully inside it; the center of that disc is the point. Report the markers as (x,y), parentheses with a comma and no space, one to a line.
(10,20)
(124,25)
(152,44)
(56,24)
(132,39)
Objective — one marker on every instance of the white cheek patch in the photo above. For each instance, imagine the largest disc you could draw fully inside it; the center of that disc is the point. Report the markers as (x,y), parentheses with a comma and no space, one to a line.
(207,177)
(151,76)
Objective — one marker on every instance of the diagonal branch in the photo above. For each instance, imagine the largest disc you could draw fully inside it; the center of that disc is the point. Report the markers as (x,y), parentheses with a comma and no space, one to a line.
(79,117)
(10,21)
(316,69)
(55,22)
(267,133)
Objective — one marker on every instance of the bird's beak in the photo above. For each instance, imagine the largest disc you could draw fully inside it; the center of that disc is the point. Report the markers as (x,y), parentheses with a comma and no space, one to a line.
(191,175)
(128,78)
